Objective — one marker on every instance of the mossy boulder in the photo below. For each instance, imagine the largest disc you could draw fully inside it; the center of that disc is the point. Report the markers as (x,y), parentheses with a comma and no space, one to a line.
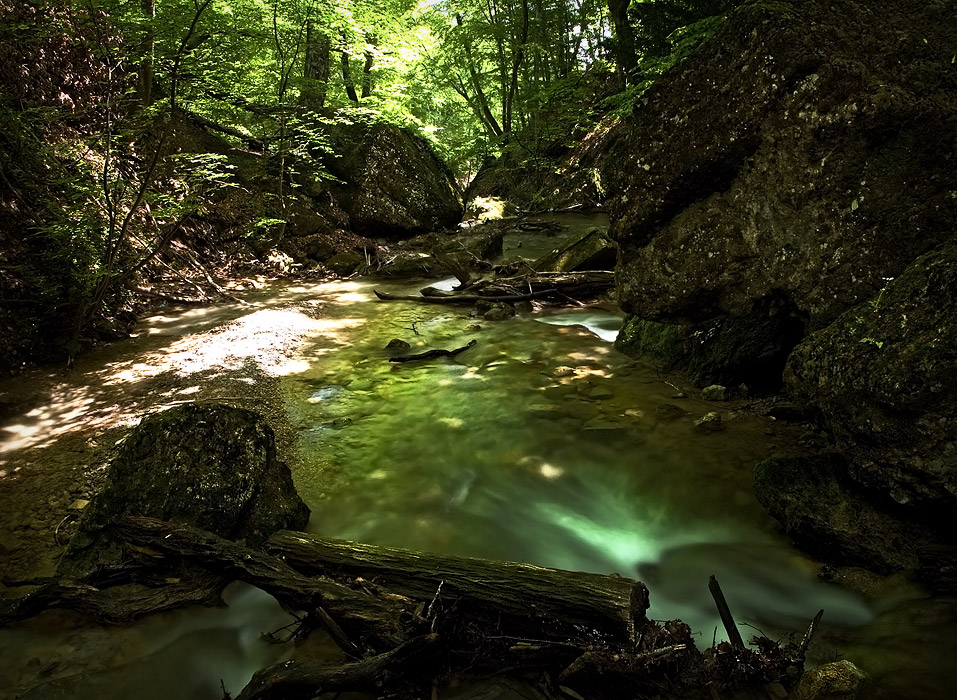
(390,181)
(839,680)
(882,378)
(210,466)
(794,160)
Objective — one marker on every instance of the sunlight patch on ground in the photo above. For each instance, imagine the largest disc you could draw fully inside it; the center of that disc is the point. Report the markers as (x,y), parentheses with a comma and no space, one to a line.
(266,341)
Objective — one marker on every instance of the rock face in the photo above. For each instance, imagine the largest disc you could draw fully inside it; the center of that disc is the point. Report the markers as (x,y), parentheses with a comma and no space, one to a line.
(828,515)
(883,378)
(209,466)
(789,165)
(392,183)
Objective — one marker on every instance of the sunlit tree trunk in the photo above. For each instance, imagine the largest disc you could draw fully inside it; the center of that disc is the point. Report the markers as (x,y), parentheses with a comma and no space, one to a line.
(347,78)
(315,67)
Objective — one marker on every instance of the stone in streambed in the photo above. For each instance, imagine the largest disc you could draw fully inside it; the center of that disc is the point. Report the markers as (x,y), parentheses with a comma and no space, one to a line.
(209,466)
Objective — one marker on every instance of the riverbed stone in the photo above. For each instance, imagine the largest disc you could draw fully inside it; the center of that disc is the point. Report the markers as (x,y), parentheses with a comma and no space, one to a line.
(669,412)
(210,466)
(838,680)
(709,423)
(715,392)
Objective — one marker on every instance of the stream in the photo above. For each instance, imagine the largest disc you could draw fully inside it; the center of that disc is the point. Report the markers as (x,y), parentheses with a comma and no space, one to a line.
(540,444)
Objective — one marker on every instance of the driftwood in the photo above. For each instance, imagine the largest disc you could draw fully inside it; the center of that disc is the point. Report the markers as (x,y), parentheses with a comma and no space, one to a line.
(408,620)
(432,354)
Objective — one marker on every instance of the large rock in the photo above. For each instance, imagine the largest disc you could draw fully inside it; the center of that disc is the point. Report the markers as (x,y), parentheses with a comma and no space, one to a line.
(828,515)
(795,160)
(589,250)
(391,183)
(210,466)
(884,380)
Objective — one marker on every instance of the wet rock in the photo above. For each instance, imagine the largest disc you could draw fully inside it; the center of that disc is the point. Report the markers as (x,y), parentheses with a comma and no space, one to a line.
(9,542)
(828,515)
(210,466)
(79,504)
(589,250)
(345,263)
(391,182)
(498,312)
(882,379)
(668,412)
(709,423)
(715,392)
(397,344)
(839,680)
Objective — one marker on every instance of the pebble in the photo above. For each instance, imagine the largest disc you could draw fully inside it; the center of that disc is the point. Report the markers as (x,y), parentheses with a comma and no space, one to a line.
(79,504)
(397,344)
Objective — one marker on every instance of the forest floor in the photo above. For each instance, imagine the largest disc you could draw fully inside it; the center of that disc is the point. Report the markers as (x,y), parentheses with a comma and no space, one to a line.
(58,427)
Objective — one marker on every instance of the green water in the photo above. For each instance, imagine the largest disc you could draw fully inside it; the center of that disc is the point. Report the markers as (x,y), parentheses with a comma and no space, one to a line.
(540,444)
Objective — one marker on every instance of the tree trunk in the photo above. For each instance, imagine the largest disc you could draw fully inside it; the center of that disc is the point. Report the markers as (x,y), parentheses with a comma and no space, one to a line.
(626,52)
(527,600)
(315,68)
(481,100)
(347,78)
(144,88)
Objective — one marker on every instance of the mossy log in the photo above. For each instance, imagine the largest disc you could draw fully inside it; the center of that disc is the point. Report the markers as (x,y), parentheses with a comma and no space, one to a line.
(525,600)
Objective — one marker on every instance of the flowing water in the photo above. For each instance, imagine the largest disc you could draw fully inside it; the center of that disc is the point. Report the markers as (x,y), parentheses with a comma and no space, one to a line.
(539,444)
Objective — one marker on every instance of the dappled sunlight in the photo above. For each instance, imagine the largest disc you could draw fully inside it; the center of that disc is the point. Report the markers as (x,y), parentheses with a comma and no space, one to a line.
(262,342)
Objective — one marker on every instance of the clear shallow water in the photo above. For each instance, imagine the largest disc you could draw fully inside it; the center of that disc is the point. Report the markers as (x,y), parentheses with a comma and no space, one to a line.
(541,444)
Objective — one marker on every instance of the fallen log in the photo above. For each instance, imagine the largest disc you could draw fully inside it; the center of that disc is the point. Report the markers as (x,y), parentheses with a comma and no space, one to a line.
(519,288)
(531,602)
(463,298)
